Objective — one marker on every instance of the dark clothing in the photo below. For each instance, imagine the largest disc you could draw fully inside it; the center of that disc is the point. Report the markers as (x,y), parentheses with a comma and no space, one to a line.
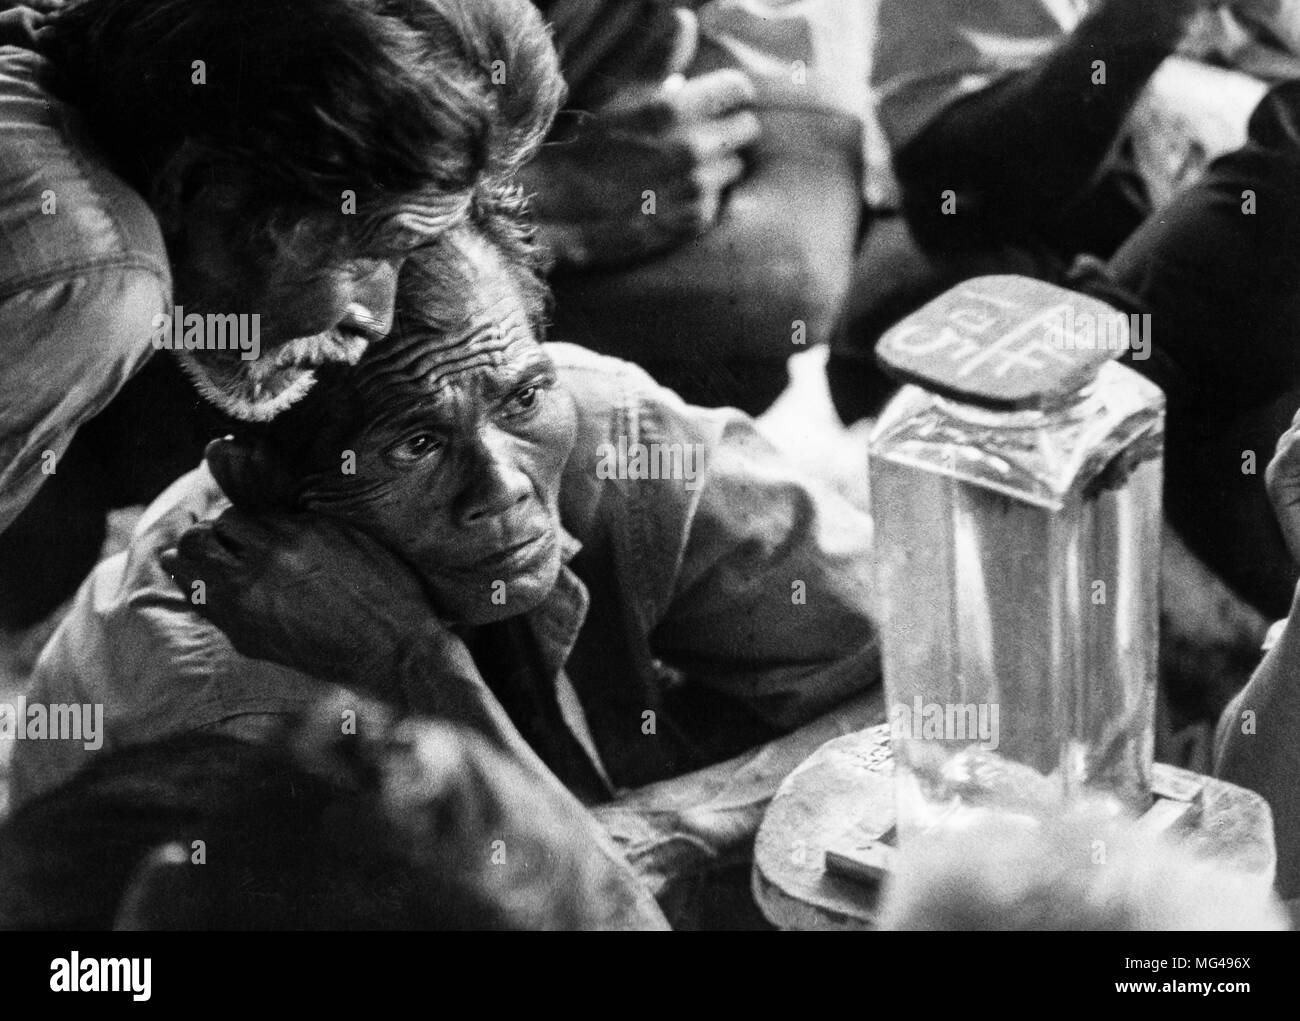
(1039,154)
(1223,287)
(716,317)
(1038,171)
(1037,165)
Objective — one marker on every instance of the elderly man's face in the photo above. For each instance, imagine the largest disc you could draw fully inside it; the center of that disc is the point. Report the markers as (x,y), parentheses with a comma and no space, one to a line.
(458,460)
(314,305)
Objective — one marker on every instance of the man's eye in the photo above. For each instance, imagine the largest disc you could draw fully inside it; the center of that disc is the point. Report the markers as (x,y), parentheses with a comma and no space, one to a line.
(417,447)
(525,401)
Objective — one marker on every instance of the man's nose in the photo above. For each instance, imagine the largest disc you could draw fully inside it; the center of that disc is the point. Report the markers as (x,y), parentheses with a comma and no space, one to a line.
(372,302)
(496,484)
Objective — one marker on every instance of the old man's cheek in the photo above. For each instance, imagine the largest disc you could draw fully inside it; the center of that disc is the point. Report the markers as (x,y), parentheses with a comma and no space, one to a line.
(546,459)
(549,436)
(374,504)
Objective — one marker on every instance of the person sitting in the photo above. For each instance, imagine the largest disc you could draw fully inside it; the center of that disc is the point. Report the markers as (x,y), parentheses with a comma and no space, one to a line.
(353,818)
(537,542)
(1017,136)
(1213,281)
(1255,744)
(702,195)
(141,182)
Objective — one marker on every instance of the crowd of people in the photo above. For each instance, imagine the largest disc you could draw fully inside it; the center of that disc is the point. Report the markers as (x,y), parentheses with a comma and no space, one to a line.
(482,520)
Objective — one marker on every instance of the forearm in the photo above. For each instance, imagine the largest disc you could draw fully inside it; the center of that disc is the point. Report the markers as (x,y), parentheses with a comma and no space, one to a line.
(435,676)
(680,826)
(1037,138)
(1259,745)
(781,254)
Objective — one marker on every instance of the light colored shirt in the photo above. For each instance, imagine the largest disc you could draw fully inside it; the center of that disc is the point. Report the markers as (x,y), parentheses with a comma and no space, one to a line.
(747,583)
(826,47)
(83,271)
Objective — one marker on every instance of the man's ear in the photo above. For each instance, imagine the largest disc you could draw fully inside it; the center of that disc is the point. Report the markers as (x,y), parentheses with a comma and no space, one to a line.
(251,474)
(165,893)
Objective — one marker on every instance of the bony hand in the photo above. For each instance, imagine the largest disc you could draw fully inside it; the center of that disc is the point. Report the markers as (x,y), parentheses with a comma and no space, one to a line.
(304,591)
(648,171)
(1283,481)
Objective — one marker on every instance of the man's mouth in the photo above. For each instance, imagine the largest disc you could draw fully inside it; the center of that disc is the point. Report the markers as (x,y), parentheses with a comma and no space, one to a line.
(517,556)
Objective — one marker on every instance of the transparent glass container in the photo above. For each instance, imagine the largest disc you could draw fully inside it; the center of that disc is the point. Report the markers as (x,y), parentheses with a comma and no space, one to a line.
(1018,562)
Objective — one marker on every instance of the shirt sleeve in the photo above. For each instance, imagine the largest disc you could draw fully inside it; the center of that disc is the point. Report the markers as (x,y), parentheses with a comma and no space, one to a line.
(773,596)
(930,53)
(68,347)
(132,644)
(816,53)
(83,273)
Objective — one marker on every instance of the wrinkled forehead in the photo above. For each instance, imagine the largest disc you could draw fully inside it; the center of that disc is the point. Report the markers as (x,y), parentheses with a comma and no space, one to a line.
(413,220)
(463,334)
(462,318)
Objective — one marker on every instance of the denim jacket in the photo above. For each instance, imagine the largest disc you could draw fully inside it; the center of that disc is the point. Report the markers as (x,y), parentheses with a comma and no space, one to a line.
(695,620)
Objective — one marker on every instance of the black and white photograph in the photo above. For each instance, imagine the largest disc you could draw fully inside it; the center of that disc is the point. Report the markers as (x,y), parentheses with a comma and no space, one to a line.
(699,465)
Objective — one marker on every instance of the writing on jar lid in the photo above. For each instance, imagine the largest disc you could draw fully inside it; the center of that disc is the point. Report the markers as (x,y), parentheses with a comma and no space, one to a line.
(1005,342)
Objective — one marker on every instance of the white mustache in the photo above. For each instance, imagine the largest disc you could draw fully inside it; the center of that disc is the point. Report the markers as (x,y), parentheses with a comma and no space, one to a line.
(319,349)
(237,391)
